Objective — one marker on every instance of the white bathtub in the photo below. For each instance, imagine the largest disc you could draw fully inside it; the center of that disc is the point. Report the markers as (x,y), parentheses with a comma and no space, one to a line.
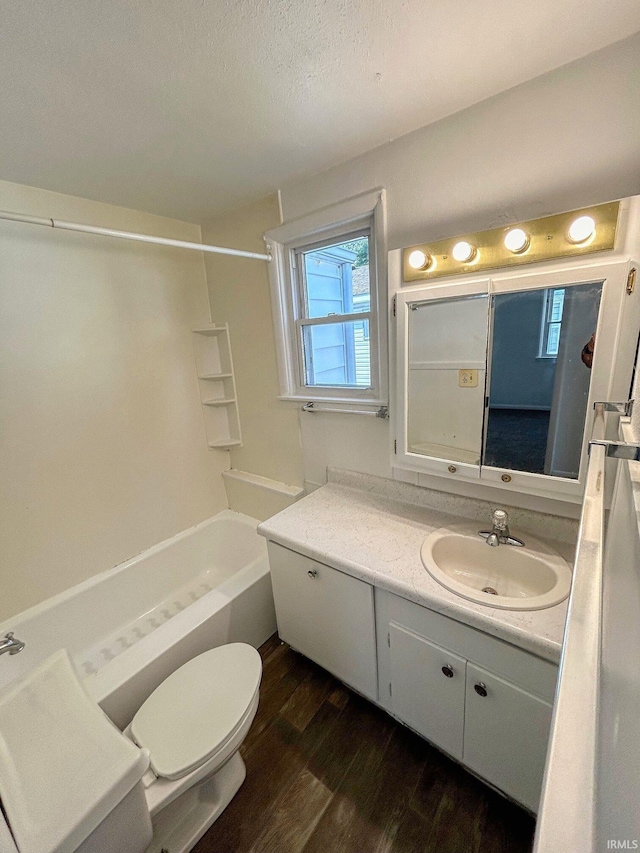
(128,628)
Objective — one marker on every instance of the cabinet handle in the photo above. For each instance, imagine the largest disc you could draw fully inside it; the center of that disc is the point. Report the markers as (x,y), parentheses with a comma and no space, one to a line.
(312,573)
(448,670)
(480,688)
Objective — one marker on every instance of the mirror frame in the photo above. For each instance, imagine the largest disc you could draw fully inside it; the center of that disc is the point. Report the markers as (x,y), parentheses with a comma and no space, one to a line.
(610,379)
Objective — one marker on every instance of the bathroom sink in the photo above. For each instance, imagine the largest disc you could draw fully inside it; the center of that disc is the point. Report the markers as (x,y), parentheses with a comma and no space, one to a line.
(508,577)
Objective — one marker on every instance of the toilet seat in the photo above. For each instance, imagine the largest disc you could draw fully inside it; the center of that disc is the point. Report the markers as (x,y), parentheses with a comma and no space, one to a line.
(194,714)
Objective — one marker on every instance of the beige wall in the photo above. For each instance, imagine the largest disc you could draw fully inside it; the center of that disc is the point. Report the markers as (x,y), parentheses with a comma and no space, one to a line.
(102,445)
(566,139)
(239,294)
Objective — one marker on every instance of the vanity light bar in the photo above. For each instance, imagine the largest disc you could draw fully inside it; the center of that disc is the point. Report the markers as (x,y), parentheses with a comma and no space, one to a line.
(563,235)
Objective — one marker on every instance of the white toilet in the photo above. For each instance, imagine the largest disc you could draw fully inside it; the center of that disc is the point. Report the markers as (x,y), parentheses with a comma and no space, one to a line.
(71,782)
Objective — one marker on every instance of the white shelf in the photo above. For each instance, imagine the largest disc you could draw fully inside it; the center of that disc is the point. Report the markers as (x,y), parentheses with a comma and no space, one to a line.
(267,483)
(212,351)
(223,402)
(210,330)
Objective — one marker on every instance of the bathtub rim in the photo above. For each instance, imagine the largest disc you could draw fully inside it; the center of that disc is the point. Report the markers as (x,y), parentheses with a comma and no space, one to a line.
(126,667)
(12,623)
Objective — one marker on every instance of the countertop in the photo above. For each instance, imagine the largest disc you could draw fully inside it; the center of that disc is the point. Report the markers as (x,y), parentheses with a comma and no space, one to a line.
(371,534)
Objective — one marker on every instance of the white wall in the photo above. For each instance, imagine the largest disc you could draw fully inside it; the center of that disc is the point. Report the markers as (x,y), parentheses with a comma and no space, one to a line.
(617,814)
(240,295)
(102,444)
(564,140)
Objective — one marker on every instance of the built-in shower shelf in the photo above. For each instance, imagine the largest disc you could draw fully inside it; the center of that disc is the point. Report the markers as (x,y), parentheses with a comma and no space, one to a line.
(211,331)
(214,366)
(222,402)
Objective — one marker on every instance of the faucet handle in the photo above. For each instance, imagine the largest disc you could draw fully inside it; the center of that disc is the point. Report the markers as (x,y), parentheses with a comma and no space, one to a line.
(500,519)
(9,636)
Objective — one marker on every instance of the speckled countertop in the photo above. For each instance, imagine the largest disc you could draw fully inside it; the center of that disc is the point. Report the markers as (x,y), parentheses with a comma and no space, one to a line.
(373,529)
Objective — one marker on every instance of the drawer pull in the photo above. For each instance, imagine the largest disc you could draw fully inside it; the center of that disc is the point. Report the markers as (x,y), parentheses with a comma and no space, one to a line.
(480,688)
(448,670)
(312,573)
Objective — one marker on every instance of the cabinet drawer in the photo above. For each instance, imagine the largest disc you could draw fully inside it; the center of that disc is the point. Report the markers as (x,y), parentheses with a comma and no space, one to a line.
(326,615)
(528,671)
(427,689)
(506,735)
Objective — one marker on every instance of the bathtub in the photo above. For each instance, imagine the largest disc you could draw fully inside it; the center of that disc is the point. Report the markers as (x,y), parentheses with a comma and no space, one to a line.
(128,628)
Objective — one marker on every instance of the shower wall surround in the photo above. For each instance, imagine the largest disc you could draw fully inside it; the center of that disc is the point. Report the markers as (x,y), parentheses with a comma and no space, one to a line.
(103,450)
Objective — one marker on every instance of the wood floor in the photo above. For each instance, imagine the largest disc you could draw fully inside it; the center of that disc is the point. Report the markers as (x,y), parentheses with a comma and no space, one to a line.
(328,772)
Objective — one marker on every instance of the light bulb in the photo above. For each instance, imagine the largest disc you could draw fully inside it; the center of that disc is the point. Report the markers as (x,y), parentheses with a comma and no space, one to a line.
(581,229)
(464,251)
(419,260)
(516,240)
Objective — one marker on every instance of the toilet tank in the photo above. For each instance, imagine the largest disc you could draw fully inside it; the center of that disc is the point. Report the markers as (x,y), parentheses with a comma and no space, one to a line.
(69,779)
(127,827)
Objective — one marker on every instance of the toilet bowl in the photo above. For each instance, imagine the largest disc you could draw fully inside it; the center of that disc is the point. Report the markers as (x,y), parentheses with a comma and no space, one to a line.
(71,782)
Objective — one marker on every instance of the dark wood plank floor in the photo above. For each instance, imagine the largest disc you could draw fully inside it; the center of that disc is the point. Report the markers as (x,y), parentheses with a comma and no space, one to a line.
(328,772)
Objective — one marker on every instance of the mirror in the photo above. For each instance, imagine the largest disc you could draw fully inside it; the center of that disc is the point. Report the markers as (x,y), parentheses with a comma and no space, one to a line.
(446,377)
(502,382)
(539,378)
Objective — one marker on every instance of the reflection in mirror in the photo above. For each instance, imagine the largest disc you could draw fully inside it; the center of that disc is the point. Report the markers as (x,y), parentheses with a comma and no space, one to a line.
(539,378)
(446,377)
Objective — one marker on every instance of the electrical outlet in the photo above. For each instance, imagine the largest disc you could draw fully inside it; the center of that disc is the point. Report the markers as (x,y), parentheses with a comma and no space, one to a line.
(468,378)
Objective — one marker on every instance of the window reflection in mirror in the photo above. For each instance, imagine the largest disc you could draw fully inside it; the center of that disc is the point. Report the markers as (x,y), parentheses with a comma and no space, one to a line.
(446,377)
(539,378)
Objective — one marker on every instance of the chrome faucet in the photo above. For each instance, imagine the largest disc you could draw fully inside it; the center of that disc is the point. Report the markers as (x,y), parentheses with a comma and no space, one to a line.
(499,533)
(10,644)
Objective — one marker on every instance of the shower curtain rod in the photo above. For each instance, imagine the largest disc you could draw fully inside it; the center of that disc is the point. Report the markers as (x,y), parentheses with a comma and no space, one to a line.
(127,235)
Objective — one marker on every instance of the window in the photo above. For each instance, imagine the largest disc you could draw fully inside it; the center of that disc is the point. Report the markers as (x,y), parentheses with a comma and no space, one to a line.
(328,300)
(334,289)
(551,323)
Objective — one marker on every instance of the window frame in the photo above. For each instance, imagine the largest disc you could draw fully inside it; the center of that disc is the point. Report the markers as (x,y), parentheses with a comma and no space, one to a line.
(335,224)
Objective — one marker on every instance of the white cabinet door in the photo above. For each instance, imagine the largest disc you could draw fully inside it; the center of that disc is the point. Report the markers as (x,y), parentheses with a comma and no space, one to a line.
(326,615)
(427,688)
(505,735)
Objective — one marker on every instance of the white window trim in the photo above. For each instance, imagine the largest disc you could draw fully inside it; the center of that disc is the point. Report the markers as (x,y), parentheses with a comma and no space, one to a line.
(363,210)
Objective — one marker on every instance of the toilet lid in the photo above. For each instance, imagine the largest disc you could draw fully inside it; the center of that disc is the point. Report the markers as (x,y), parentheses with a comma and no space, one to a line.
(197,709)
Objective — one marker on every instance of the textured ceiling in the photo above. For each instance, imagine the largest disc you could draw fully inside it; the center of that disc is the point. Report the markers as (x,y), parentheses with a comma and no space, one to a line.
(188,107)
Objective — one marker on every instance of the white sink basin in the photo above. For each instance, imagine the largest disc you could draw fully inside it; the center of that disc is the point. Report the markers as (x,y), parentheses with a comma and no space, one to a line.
(508,576)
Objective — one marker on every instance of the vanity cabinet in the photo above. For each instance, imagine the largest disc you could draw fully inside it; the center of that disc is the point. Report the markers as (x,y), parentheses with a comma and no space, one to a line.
(506,730)
(481,700)
(428,687)
(496,728)
(327,615)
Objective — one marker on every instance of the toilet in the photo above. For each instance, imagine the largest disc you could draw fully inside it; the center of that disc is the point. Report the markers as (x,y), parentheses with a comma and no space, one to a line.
(72,782)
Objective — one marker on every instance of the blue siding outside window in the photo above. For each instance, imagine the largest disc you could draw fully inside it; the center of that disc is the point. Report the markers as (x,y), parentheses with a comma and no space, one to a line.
(336,354)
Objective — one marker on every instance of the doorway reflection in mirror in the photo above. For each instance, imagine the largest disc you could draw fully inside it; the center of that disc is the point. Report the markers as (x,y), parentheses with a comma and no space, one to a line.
(539,382)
